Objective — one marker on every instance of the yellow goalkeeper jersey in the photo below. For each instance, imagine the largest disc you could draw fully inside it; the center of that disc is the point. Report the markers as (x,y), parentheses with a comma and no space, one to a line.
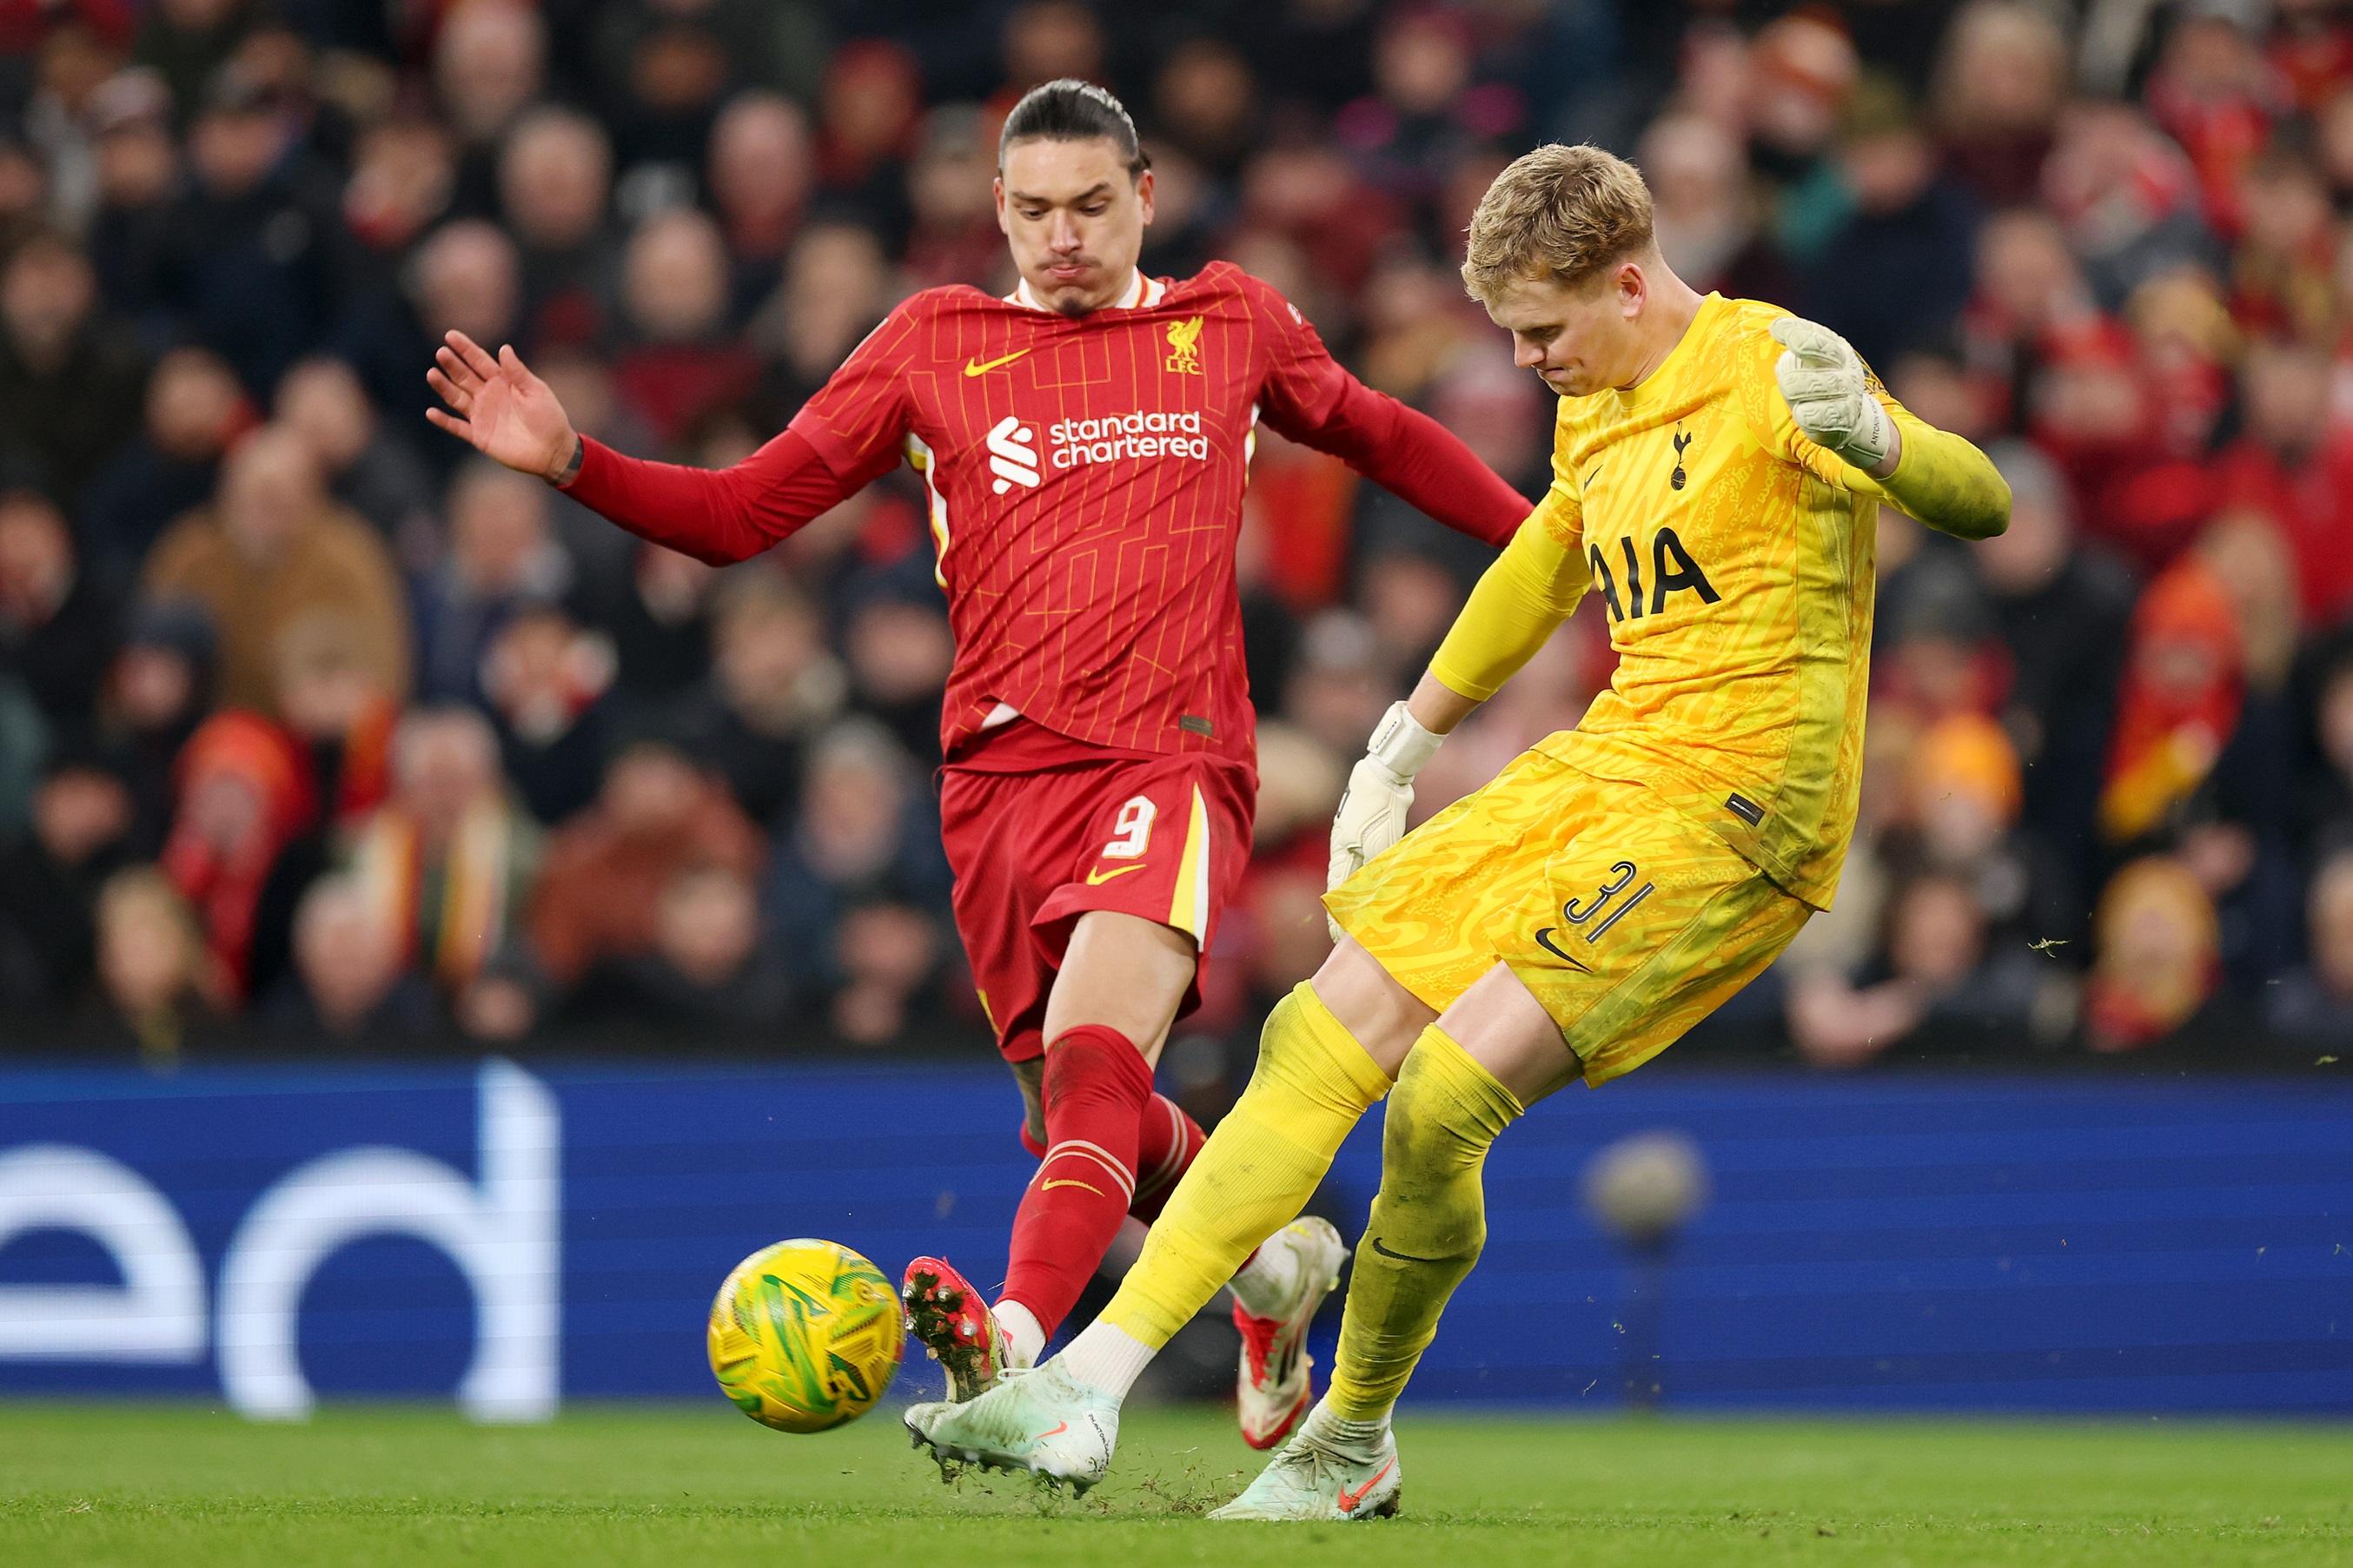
(1736,561)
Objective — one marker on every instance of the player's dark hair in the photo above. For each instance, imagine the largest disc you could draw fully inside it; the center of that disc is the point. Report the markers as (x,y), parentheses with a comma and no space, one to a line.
(1073,111)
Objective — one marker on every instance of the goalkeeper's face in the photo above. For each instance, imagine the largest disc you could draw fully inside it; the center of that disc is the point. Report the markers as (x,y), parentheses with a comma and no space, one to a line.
(1075,218)
(1579,337)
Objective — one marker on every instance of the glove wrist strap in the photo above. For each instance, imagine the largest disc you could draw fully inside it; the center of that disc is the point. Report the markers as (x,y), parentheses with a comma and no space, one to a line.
(1866,449)
(1400,744)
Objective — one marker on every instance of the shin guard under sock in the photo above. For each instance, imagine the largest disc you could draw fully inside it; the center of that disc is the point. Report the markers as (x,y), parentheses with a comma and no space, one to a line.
(1096,1087)
(1311,1084)
(1427,1226)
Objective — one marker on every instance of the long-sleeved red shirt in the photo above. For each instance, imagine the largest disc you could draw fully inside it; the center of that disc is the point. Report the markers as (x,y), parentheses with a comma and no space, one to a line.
(1084,478)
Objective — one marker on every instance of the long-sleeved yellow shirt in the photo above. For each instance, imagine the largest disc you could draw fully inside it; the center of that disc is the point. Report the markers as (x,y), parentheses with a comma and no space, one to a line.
(1736,558)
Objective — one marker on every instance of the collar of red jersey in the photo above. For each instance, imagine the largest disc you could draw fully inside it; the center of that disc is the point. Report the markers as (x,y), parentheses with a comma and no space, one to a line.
(1147,292)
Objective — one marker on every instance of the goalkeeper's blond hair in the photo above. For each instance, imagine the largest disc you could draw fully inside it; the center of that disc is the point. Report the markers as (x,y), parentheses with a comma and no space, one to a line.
(1562,214)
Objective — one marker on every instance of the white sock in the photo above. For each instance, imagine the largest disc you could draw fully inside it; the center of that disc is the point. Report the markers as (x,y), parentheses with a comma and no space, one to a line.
(1360,1437)
(1108,1358)
(1020,1326)
(1265,1283)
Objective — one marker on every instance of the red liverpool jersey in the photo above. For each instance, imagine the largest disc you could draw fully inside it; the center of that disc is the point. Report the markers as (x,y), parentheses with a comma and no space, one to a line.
(1084,478)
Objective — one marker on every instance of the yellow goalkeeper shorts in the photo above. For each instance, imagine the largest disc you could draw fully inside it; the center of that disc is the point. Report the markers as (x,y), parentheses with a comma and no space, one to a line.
(1628,920)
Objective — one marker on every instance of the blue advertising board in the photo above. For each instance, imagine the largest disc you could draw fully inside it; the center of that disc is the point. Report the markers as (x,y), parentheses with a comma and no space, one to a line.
(519,1235)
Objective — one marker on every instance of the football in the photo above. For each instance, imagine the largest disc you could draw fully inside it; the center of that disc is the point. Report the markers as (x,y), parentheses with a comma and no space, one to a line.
(805,1335)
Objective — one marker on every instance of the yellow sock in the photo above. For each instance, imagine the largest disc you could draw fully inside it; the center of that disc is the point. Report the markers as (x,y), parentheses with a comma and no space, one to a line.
(1427,1224)
(1313,1083)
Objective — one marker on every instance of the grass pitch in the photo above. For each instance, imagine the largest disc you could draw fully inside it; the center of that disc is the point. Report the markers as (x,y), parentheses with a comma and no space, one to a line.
(194,1488)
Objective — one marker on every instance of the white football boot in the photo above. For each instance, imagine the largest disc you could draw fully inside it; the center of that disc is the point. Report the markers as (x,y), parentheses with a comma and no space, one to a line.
(1270,1387)
(1038,1419)
(1318,1476)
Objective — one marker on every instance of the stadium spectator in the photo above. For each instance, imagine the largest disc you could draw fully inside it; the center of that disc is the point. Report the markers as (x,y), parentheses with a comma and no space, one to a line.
(57,623)
(404,178)
(255,257)
(2158,960)
(655,816)
(503,553)
(452,862)
(368,468)
(898,651)
(184,41)
(2291,465)
(338,708)
(1941,988)
(49,883)
(69,379)
(657,620)
(2061,607)
(711,963)
(195,410)
(161,987)
(773,686)
(762,173)
(1895,275)
(348,985)
(137,169)
(2312,1003)
(832,296)
(955,237)
(2001,84)
(886,953)
(675,293)
(555,176)
(465,274)
(489,62)
(544,681)
(243,845)
(152,701)
(864,836)
(271,547)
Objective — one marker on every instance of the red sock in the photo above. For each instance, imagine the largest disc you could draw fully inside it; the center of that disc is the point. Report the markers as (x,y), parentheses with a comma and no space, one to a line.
(1097,1085)
(1165,1144)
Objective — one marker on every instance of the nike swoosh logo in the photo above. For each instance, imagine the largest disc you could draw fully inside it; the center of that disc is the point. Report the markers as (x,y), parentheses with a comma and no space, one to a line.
(974,367)
(1544,940)
(1591,476)
(1062,1427)
(1349,1499)
(1401,1257)
(1049,1186)
(1097,878)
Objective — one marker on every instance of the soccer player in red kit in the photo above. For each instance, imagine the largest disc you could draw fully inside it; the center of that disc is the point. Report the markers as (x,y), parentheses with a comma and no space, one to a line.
(1084,445)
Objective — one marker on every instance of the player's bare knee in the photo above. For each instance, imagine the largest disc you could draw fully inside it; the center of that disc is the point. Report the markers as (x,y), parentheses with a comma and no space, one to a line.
(1379,1014)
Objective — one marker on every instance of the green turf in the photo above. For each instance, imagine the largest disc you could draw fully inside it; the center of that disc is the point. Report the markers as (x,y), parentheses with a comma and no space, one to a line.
(193,1488)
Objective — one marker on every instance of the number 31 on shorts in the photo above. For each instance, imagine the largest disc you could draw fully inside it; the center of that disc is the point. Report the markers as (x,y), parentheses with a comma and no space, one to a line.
(1132,833)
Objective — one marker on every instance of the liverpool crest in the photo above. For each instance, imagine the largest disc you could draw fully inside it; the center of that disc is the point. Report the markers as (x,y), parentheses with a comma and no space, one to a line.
(1185,347)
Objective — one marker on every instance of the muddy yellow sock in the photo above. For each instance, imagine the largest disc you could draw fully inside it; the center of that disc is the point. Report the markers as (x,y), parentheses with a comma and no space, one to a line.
(1428,1223)
(1313,1083)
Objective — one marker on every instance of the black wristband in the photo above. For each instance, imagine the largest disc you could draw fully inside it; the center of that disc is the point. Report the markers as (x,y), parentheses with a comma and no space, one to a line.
(572,466)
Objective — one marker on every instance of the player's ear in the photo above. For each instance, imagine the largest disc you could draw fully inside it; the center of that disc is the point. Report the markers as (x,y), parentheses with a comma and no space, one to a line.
(1144,195)
(1634,288)
(996,187)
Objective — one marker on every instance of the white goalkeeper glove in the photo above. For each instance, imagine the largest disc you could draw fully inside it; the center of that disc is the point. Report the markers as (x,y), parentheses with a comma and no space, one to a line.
(1828,389)
(1380,792)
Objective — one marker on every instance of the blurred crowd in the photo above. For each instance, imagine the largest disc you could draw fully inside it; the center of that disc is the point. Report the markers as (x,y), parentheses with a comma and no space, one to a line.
(315,731)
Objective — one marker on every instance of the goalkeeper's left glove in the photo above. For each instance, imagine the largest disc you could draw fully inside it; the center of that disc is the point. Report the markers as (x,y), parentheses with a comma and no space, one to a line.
(1380,793)
(1828,389)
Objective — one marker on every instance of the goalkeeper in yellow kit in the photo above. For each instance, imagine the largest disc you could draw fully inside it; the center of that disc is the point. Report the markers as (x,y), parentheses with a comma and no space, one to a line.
(1716,473)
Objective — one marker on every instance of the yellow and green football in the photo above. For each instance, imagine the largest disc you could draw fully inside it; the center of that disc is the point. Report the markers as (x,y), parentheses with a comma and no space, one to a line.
(805,1335)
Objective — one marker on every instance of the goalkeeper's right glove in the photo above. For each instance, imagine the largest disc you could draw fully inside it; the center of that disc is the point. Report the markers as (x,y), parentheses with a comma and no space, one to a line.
(1380,793)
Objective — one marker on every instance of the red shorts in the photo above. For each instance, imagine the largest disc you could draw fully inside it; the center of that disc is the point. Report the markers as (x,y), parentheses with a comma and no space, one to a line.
(1163,838)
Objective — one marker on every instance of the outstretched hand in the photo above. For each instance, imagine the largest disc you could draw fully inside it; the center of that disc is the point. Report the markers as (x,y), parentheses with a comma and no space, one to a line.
(497,405)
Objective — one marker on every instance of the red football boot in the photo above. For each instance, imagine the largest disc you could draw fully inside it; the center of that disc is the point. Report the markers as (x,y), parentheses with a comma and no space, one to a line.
(956,1328)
